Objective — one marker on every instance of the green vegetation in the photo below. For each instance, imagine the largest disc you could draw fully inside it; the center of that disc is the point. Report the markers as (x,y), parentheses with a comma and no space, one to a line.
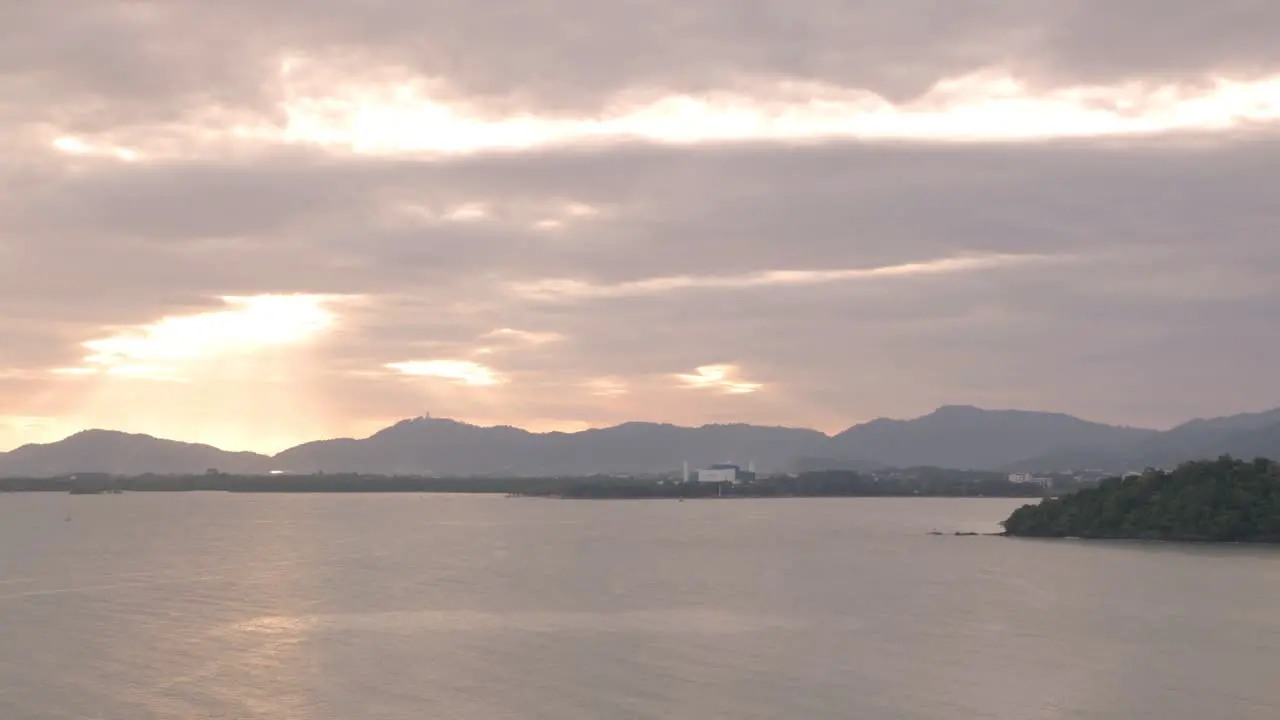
(1224,500)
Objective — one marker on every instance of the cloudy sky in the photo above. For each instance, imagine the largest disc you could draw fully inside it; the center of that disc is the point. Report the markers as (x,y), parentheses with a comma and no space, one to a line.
(253,223)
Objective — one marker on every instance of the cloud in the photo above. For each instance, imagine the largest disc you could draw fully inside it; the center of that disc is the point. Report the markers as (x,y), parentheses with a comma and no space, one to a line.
(607,386)
(986,105)
(158,350)
(718,377)
(557,289)
(869,208)
(244,375)
(158,57)
(409,76)
(989,105)
(463,372)
(524,336)
(818,268)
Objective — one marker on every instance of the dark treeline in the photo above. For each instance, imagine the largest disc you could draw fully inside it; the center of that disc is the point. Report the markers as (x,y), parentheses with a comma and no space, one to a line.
(1224,500)
(920,481)
(319,483)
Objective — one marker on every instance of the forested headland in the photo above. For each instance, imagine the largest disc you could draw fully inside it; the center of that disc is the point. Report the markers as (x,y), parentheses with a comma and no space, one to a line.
(1223,500)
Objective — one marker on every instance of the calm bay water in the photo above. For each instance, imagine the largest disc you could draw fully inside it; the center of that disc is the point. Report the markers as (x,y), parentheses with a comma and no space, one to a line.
(404,606)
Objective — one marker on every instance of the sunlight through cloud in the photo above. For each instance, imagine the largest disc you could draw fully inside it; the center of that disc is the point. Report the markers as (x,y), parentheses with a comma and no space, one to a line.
(249,324)
(525,336)
(75,146)
(718,377)
(404,115)
(607,387)
(565,289)
(461,372)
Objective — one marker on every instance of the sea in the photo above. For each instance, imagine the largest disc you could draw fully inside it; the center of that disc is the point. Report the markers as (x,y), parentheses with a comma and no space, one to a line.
(407,606)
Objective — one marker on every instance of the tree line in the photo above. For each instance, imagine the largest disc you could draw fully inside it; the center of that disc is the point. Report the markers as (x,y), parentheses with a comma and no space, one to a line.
(934,482)
(1223,500)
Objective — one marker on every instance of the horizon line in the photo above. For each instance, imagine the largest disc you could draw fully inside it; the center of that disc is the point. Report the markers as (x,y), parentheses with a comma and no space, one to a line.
(617,425)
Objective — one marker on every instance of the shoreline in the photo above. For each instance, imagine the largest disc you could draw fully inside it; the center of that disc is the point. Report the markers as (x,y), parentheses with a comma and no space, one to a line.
(1155,541)
(508,494)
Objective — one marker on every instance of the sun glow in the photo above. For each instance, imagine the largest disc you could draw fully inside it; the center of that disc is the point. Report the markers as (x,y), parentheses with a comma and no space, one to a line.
(525,336)
(72,145)
(249,324)
(460,372)
(607,387)
(548,216)
(18,430)
(718,377)
(241,377)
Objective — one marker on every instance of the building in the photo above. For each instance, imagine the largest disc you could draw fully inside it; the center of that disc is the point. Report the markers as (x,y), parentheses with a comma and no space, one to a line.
(1029,479)
(725,473)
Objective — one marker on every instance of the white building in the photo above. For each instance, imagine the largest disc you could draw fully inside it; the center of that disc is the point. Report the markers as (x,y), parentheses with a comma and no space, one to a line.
(726,473)
(718,475)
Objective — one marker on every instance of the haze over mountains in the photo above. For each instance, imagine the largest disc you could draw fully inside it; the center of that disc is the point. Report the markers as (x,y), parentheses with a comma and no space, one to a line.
(959,437)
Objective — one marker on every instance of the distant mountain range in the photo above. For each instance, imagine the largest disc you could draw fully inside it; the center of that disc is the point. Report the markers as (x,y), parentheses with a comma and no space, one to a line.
(960,437)
(124,454)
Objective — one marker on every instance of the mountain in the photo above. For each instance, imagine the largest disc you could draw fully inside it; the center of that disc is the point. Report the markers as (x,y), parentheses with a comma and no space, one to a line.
(124,454)
(954,436)
(448,447)
(1247,435)
(1250,444)
(965,437)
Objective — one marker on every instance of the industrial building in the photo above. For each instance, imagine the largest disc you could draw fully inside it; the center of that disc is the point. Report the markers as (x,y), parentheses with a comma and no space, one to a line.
(723,473)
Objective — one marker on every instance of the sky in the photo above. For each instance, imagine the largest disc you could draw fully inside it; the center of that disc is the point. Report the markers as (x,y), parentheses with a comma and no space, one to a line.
(254,224)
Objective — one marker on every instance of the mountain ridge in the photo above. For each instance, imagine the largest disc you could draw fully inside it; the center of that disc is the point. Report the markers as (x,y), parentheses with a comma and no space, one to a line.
(117,452)
(952,436)
(971,438)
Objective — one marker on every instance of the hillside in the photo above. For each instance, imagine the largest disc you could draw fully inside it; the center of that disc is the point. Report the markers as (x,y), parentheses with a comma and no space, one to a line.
(124,454)
(957,437)
(447,447)
(966,437)
(1226,500)
(1245,435)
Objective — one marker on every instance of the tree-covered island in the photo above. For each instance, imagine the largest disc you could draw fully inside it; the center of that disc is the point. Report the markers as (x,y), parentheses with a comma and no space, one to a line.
(1223,500)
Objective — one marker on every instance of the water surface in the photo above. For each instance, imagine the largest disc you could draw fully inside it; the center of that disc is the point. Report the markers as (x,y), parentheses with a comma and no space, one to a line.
(279,607)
